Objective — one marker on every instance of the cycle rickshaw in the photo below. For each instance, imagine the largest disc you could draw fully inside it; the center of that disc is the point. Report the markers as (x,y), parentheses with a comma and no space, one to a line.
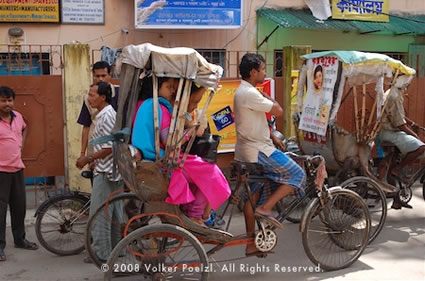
(335,226)
(348,83)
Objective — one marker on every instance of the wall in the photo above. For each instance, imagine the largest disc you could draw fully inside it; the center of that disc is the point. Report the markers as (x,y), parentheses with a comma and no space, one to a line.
(410,6)
(333,39)
(119,14)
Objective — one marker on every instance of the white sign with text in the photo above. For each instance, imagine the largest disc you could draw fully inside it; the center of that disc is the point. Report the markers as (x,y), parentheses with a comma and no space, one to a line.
(83,11)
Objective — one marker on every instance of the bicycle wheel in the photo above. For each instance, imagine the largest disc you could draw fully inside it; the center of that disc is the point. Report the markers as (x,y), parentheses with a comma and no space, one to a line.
(61,224)
(334,235)
(108,222)
(296,215)
(375,200)
(147,252)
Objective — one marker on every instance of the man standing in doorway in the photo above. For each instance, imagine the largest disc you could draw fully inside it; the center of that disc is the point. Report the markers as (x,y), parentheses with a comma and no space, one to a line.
(12,183)
(87,117)
(105,181)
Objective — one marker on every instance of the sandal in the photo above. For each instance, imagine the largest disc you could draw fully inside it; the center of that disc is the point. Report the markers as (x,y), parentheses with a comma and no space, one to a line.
(2,255)
(27,245)
(269,218)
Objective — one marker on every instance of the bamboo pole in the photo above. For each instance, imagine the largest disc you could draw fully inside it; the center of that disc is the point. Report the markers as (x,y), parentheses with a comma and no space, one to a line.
(180,121)
(377,125)
(173,124)
(156,115)
(362,128)
(356,108)
(367,137)
(192,138)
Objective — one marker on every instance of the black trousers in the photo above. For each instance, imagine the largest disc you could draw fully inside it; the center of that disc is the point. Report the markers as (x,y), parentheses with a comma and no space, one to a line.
(12,193)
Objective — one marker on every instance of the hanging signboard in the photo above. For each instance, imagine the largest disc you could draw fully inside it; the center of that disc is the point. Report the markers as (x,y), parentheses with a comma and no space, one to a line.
(321,77)
(83,11)
(193,14)
(366,10)
(220,111)
(29,11)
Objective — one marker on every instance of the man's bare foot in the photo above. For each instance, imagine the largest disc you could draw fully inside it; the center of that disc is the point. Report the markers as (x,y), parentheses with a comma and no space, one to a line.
(251,250)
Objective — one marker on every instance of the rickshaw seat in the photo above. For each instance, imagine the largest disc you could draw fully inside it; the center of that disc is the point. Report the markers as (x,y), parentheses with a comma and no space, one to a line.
(247,167)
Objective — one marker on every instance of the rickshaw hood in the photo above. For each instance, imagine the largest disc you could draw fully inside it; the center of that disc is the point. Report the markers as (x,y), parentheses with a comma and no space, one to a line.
(172,62)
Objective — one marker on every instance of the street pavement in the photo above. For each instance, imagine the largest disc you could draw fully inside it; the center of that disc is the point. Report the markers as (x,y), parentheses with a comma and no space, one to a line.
(398,253)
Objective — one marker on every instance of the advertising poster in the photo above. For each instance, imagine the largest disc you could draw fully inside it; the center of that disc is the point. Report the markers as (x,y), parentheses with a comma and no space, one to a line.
(321,77)
(191,14)
(29,11)
(220,111)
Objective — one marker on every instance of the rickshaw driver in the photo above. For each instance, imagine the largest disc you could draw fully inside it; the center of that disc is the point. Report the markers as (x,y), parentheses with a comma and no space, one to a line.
(255,145)
(395,130)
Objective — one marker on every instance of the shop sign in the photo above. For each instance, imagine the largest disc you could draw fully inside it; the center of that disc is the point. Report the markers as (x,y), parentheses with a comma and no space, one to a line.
(366,10)
(29,10)
(193,14)
(83,11)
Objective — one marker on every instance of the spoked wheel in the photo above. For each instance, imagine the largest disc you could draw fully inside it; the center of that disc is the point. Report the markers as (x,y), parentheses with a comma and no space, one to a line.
(296,215)
(61,224)
(335,234)
(160,252)
(108,223)
(375,200)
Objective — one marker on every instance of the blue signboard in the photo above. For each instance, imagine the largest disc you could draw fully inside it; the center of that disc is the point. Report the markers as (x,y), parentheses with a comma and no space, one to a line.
(223,118)
(191,14)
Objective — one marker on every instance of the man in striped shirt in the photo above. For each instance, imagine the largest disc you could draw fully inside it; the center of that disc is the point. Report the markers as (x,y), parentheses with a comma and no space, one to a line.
(104,181)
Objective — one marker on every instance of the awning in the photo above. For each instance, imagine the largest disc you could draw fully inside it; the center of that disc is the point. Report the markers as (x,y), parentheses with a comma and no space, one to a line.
(403,25)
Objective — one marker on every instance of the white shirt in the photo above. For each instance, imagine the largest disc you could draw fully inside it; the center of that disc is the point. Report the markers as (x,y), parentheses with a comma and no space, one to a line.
(105,121)
(252,130)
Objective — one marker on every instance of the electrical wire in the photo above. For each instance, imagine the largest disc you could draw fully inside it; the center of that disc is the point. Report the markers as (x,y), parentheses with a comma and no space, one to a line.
(246,24)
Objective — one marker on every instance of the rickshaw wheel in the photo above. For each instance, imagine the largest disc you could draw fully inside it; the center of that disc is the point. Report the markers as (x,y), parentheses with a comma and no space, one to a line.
(375,200)
(335,235)
(147,252)
(296,215)
(109,230)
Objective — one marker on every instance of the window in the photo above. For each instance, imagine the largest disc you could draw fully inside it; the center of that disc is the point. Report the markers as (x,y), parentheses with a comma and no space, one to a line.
(398,56)
(24,64)
(215,56)
(278,63)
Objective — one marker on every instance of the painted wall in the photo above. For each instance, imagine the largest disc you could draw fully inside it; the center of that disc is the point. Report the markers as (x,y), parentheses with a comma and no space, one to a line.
(333,39)
(119,14)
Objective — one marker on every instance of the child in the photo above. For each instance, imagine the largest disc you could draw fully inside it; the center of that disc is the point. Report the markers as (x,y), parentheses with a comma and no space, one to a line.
(211,185)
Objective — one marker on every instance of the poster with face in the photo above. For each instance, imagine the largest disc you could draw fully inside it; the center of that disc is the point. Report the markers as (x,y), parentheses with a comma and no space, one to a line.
(321,77)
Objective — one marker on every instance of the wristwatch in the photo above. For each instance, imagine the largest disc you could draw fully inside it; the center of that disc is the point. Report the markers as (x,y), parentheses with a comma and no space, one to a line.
(90,158)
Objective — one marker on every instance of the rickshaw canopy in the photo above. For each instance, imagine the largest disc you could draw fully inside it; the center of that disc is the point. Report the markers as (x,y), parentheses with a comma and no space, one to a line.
(365,59)
(172,62)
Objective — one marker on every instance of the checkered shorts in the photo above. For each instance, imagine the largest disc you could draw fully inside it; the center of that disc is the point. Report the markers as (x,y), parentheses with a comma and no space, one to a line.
(280,169)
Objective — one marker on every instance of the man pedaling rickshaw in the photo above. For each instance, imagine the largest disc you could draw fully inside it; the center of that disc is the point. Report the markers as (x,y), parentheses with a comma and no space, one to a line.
(396,130)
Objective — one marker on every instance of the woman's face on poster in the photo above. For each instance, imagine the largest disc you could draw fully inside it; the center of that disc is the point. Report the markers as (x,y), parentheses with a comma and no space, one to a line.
(318,80)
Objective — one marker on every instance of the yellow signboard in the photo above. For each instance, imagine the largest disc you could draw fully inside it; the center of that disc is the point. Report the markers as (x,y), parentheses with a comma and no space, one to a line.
(29,10)
(220,112)
(366,10)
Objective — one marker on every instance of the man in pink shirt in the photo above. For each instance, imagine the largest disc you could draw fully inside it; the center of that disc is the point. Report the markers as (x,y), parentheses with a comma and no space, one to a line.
(12,185)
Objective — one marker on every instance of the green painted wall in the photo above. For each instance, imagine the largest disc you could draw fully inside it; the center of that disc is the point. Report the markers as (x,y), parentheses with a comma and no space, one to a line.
(332,39)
